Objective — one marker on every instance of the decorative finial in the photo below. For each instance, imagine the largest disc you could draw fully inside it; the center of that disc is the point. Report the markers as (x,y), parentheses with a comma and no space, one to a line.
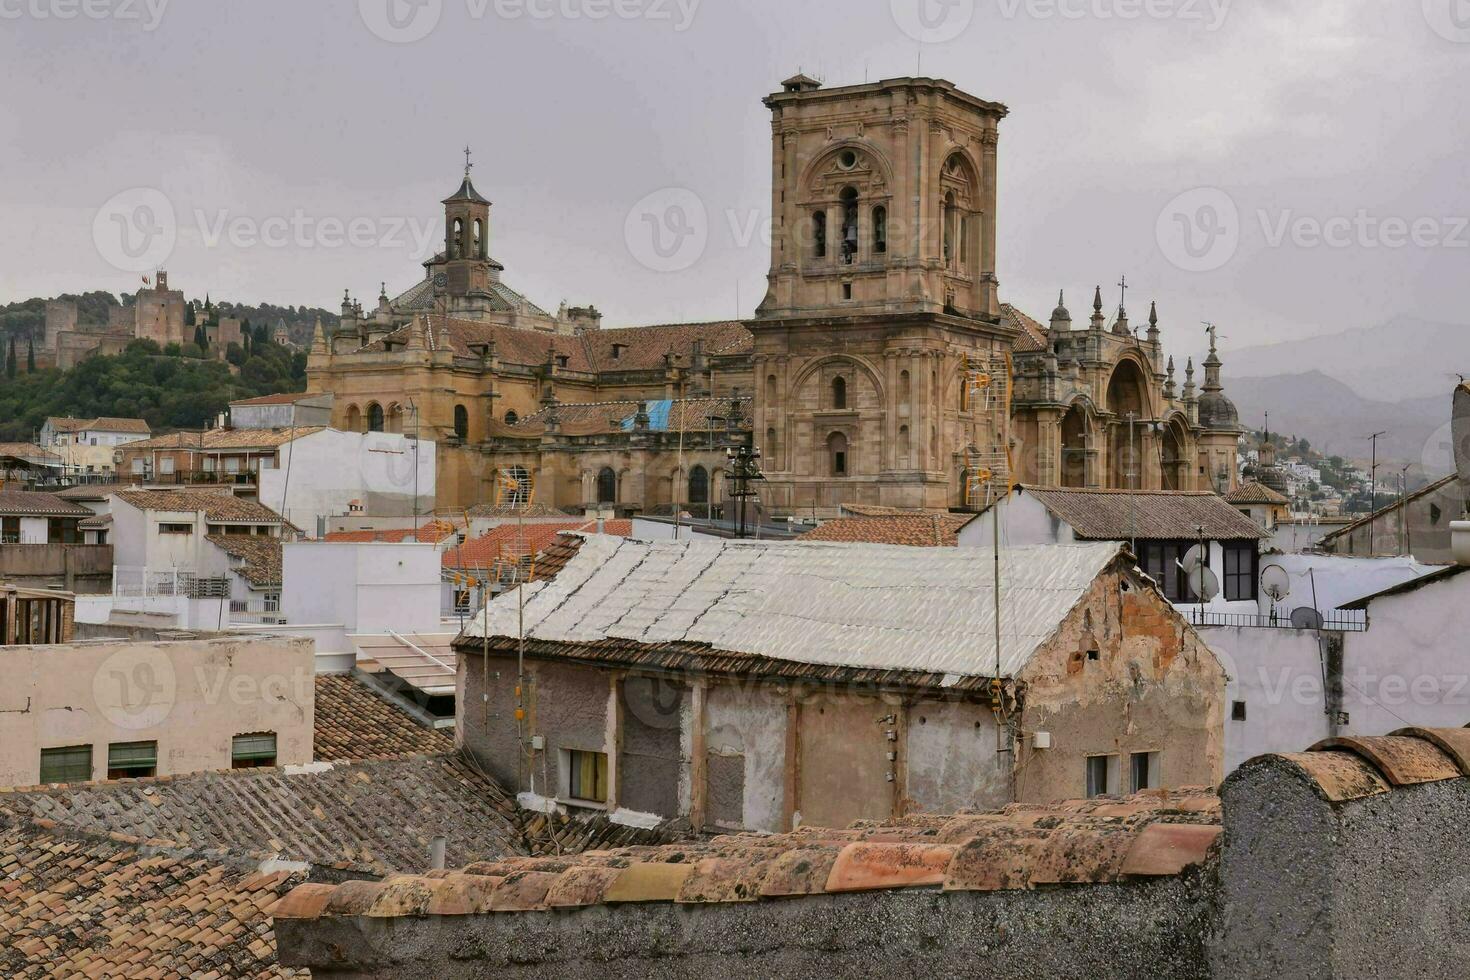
(1122,294)
(1153,314)
(1097,300)
(1171,365)
(1061,298)
(467,164)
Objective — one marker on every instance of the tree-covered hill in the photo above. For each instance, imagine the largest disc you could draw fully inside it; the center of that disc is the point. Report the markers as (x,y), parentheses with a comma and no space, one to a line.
(169,389)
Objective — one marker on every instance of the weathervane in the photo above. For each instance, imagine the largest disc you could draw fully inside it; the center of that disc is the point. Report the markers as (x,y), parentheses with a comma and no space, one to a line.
(1212,330)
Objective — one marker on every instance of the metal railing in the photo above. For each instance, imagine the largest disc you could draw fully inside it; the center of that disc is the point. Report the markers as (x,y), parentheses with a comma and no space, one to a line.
(1341,620)
(132,582)
(266,612)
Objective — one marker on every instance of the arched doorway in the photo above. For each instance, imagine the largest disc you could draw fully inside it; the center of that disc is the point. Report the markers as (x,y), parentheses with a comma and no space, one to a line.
(698,485)
(1072,467)
(1173,456)
(1127,400)
(607,486)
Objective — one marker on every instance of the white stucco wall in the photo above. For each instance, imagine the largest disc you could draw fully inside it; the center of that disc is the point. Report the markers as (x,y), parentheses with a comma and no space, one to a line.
(751,722)
(362,587)
(317,476)
(33,530)
(191,697)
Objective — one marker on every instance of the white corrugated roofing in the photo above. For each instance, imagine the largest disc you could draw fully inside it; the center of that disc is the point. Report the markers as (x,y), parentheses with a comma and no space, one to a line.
(858,605)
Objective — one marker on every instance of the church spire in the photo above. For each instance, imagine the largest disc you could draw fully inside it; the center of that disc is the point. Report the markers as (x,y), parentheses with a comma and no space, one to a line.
(1061,320)
(1169,380)
(1098,319)
(1153,323)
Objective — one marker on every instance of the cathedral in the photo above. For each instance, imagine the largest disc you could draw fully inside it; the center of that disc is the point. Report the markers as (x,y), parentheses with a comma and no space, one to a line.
(880,368)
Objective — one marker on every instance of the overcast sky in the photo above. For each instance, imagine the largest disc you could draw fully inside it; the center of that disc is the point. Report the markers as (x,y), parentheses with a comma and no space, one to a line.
(1202,150)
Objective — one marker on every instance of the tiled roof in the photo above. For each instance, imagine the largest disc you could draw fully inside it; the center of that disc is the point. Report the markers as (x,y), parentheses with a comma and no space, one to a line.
(280,398)
(68,424)
(223,440)
(643,348)
(217,505)
(878,510)
(29,452)
(261,555)
(536,509)
(106,424)
(1103,840)
(1119,515)
(510,540)
(430,532)
(639,348)
(664,415)
(857,606)
(1033,337)
(375,816)
(28,503)
(93,491)
(352,723)
(1352,767)
(1254,492)
(88,905)
(918,530)
(93,523)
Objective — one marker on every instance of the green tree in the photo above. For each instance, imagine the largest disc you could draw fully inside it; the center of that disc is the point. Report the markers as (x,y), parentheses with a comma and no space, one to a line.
(10,359)
(30,356)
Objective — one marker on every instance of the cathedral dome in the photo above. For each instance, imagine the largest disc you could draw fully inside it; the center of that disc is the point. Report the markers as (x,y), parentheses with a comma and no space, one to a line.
(1217,412)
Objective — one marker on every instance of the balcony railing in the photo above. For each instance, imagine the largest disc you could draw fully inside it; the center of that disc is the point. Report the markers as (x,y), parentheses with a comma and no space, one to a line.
(1341,620)
(266,612)
(128,582)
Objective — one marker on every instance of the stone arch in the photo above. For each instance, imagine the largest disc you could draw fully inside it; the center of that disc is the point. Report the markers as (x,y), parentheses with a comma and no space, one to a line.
(861,366)
(607,486)
(1174,453)
(375,418)
(1077,431)
(461,423)
(838,462)
(354,419)
(824,176)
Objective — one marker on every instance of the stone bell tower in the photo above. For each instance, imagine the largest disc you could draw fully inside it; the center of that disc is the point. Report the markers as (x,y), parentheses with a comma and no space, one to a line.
(881,295)
(467,265)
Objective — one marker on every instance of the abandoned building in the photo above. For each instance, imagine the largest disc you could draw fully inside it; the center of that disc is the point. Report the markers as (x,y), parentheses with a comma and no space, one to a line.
(757,685)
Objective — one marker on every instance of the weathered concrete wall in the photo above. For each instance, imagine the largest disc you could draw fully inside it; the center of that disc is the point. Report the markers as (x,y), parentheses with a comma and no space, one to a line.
(191,697)
(651,762)
(745,744)
(1153,929)
(952,762)
(1124,673)
(85,568)
(1362,890)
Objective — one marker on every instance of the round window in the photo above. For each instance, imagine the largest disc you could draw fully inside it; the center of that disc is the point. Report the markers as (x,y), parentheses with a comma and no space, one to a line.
(847,160)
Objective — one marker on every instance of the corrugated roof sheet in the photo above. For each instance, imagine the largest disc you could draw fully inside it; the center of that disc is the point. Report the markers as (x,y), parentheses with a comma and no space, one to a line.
(1119,515)
(854,605)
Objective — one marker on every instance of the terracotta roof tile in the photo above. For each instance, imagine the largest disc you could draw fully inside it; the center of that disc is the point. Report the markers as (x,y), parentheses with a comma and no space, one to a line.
(512,541)
(353,723)
(1118,515)
(918,530)
(1033,336)
(1102,840)
(225,439)
(261,556)
(1254,492)
(84,905)
(431,532)
(372,816)
(217,505)
(280,398)
(27,503)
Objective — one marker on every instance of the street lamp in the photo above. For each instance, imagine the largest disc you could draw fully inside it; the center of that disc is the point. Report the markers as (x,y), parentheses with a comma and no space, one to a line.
(743,469)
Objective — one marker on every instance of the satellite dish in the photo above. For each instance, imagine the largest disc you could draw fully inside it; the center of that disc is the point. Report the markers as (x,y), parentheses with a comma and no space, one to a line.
(1193,558)
(1204,583)
(1306,618)
(1275,582)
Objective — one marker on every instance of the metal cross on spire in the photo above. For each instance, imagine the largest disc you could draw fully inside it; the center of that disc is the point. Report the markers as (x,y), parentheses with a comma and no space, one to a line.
(467,164)
(1123,293)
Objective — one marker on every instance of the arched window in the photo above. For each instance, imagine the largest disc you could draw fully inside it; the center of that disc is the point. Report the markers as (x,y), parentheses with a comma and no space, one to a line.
(837,453)
(771,449)
(849,200)
(607,486)
(354,419)
(949,218)
(903,445)
(699,485)
(905,390)
(770,390)
(819,234)
(375,417)
(395,417)
(456,240)
(839,392)
(964,392)
(880,230)
(479,239)
(511,418)
(461,422)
